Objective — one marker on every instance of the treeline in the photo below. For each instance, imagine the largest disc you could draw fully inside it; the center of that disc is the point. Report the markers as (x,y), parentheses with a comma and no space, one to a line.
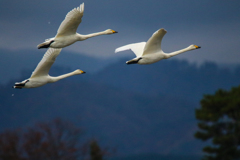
(53,140)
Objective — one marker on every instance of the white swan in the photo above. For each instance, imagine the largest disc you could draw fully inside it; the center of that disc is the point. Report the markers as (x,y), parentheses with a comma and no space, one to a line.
(150,51)
(66,34)
(40,75)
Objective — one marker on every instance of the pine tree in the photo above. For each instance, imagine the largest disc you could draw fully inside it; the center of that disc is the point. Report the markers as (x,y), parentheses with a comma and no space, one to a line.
(95,151)
(219,121)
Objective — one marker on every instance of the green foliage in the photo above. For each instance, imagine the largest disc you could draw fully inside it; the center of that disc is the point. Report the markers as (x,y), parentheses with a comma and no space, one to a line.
(219,121)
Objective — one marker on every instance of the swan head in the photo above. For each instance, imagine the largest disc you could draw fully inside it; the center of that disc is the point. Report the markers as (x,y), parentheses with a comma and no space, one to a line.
(79,71)
(192,47)
(110,31)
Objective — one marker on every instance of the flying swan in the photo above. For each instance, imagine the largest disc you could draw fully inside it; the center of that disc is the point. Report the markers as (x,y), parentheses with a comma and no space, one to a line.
(66,34)
(150,51)
(40,75)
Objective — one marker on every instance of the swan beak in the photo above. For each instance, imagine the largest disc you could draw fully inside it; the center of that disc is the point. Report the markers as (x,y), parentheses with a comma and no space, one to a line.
(114,31)
(82,72)
(197,46)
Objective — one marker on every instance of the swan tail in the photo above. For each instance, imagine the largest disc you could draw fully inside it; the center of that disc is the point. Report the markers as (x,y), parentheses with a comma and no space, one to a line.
(133,61)
(45,44)
(17,87)
(20,85)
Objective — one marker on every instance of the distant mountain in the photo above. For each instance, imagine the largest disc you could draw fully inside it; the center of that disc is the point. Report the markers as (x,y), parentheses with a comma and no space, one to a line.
(157,157)
(170,77)
(14,62)
(131,122)
(134,108)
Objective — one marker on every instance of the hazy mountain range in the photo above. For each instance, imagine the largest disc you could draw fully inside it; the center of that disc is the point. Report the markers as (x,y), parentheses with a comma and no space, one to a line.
(13,62)
(134,108)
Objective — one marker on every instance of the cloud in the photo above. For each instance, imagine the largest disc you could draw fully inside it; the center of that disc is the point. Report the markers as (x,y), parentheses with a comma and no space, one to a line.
(211,24)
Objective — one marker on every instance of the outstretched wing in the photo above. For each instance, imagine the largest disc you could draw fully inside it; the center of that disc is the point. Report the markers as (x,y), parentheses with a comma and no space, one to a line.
(71,22)
(137,48)
(153,45)
(47,61)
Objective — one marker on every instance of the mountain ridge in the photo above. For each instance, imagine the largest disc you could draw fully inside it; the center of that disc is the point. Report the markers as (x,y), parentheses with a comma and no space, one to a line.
(135,108)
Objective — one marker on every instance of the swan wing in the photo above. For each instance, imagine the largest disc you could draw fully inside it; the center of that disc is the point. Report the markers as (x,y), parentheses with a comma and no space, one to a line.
(71,22)
(137,48)
(47,61)
(153,45)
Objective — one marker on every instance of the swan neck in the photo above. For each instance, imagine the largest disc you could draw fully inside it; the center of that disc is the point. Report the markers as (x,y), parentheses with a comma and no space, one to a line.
(55,79)
(168,55)
(94,34)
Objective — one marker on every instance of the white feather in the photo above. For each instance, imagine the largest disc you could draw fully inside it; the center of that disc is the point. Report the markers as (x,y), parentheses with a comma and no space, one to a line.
(137,48)
(150,52)
(67,31)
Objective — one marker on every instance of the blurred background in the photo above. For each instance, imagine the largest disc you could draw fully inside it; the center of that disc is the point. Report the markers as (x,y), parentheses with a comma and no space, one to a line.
(141,111)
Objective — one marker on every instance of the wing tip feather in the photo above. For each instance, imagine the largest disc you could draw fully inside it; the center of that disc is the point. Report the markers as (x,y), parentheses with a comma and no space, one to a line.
(116,50)
(81,7)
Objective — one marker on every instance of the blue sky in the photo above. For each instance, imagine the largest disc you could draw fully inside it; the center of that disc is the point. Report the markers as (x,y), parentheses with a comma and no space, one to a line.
(214,25)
